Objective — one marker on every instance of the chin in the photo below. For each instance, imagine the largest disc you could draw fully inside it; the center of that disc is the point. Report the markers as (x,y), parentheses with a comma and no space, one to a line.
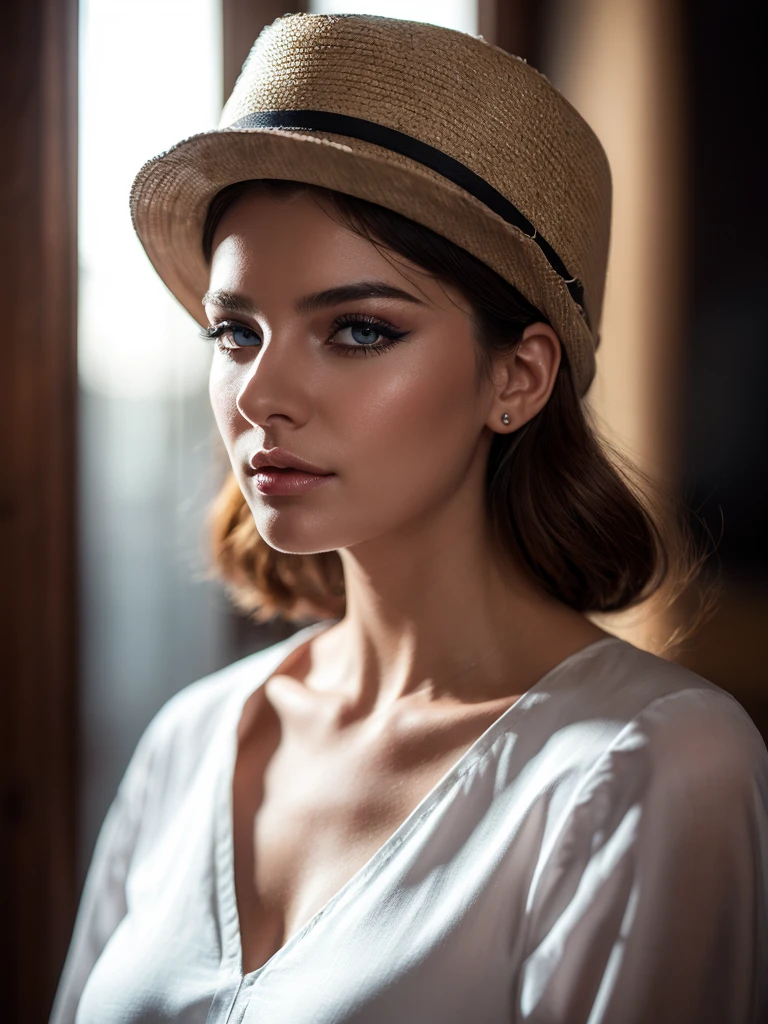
(294,532)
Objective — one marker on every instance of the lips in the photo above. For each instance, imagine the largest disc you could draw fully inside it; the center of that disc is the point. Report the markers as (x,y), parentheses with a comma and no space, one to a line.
(280,459)
(278,482)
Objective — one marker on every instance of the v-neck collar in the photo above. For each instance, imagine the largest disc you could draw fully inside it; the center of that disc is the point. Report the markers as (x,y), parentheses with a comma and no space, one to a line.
(224,868)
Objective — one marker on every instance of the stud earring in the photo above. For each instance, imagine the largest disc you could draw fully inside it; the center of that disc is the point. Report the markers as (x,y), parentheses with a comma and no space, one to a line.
(505,418)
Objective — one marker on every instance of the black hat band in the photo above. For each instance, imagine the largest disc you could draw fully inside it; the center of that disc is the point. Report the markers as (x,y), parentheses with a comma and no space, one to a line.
(421,152)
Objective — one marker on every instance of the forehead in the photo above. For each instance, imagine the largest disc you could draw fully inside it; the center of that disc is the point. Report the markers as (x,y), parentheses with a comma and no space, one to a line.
(299,228)
(298,245)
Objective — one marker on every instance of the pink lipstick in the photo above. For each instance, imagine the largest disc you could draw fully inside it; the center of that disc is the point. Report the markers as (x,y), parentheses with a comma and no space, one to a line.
(273,481)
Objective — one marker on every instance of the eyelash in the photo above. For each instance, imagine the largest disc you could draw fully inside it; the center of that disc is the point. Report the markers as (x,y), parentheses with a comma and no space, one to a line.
(345,320)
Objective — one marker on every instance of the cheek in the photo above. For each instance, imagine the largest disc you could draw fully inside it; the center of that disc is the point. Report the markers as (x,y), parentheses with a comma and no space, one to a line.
(222,394)
(416,428)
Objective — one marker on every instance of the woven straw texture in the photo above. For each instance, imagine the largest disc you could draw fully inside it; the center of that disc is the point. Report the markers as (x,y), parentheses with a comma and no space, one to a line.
(472,101)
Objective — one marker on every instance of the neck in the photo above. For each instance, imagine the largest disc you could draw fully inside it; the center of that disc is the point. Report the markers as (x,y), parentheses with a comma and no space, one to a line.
(442,614)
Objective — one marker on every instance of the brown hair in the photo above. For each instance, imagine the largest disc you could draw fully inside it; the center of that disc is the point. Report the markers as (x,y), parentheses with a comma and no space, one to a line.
(593,529)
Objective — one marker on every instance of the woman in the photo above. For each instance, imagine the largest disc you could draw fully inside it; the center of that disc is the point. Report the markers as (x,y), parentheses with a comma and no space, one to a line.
(451,797)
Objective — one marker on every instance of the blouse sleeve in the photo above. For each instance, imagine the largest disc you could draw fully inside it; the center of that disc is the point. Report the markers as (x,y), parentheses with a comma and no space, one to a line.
(652,904)
(103,900)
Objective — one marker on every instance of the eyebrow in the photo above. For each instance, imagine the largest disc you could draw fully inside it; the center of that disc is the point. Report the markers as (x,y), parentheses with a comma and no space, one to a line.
(318,300)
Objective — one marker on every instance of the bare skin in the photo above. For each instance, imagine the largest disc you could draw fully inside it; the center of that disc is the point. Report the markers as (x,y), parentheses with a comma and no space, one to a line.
(442,632)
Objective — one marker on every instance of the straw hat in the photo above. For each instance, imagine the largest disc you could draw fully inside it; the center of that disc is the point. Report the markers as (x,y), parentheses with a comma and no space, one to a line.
(435,124)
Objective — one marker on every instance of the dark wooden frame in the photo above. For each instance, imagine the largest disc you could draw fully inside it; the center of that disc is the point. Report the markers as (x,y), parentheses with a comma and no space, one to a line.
(38,500)
(515,25)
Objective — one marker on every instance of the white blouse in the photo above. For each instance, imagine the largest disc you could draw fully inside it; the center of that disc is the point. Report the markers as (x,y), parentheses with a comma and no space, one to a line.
(598,856)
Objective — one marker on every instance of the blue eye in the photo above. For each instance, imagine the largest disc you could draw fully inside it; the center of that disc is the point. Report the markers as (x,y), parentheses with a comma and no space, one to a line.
(366,335)
(244,336)
(241,336)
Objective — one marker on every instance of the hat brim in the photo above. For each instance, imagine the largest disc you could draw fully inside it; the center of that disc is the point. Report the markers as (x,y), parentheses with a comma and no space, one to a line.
(171,193)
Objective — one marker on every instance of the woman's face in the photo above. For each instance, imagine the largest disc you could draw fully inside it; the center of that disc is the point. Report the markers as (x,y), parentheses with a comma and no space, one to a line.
(403,430)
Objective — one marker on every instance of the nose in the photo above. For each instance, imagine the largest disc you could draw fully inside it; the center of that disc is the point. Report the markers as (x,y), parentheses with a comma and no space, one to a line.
(272,384)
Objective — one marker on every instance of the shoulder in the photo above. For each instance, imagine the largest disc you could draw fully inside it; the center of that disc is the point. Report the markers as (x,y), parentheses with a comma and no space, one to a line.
(174,742)
(619,712)
(661,851)
(634,733)
(680,744)
(682,712)
(676,788)
(641,692)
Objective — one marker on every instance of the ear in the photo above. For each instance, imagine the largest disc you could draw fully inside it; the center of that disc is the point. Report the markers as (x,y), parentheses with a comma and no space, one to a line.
(524,379)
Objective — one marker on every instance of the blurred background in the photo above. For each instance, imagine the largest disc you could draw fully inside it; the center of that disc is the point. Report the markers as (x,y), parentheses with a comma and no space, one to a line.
(109,451)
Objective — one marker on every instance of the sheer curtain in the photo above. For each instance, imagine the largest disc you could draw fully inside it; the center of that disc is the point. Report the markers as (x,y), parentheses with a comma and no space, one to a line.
(150,74)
